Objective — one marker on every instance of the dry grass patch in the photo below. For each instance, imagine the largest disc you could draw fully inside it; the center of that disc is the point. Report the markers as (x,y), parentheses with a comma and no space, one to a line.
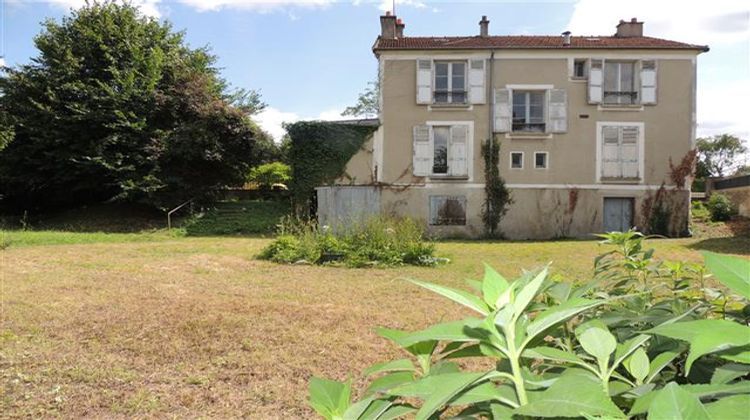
(196,327)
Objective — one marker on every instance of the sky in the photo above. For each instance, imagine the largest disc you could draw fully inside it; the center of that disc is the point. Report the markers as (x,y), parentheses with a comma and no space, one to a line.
(311,58)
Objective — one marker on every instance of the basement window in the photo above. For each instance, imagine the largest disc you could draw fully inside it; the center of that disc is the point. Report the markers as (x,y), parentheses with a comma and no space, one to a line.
(516,160)
(446,210)
(540,160)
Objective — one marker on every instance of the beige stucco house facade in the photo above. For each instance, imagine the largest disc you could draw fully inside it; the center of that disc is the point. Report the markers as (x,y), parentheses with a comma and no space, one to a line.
(587,127)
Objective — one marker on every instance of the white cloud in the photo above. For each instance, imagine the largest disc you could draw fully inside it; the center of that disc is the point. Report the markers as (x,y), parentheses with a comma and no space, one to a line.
(272,119)
(715,22)
(262,6)
(148,7)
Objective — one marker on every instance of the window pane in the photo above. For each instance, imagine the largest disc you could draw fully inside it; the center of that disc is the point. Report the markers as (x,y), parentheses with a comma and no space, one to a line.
(579,68)
(441,97)
(626,77)
(440,158)
(516,160)
(519,107)
(458,97)
(459,76)
(441,79)
(540,160)
(610,76)
(441,69)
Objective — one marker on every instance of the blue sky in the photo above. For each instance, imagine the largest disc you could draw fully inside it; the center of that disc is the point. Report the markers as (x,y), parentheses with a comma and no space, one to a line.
(310,58)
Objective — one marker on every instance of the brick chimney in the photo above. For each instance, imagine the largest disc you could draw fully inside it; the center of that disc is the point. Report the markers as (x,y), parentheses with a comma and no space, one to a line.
(484,27)
(388,26)
(400,25)
(629,29)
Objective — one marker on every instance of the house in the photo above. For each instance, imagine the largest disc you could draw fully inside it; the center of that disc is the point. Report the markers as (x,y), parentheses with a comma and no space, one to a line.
(589,127)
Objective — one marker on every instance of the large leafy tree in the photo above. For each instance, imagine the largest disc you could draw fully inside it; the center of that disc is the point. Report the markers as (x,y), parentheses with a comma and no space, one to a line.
(117,106)
(719,155)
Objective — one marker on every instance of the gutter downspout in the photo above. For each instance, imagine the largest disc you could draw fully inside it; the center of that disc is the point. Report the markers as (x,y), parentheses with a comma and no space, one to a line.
(490,115)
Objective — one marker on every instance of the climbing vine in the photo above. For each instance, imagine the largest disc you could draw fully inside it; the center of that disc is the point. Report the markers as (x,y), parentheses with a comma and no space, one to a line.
(497,196)
(318,155)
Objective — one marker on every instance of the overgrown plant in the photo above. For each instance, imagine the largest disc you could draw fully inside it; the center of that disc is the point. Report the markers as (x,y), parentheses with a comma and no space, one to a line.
(497,197)
(560,350)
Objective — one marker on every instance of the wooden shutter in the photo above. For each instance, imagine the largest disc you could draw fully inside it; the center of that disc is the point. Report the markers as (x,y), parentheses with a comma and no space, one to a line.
(611,152)
(502,110)
(476,82)
(424,81)
(648,82)
(558,111)
(457,154)
(629,151)
(596,78)
(422,151)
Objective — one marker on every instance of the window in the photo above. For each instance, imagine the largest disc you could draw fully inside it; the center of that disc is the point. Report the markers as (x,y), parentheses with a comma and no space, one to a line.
(447,210)
(528,111)
(619,83)
(620,152)
(540,160)
(441,136)
(579,68)
(450,82)
(516,160)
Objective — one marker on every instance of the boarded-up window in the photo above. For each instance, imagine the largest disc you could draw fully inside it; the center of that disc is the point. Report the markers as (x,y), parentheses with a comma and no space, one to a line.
(447,210)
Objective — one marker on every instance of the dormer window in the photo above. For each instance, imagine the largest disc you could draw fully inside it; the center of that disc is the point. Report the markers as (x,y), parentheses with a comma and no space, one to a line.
(450,82)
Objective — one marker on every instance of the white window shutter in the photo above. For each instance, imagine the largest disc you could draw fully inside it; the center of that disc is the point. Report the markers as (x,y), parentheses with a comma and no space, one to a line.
(611,152)
(457,156)
(424,81)
(629,151)
(558,111)
(596,77)
(422,151)
(502,110)
(476,82)
(648,82)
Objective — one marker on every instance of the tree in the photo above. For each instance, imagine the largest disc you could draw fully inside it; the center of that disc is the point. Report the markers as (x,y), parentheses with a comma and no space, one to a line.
(116,106)
(718,155)
(268,174)
(368,103)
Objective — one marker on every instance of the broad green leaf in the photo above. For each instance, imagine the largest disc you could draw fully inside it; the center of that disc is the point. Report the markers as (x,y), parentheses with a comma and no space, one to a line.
(638,365)
(627,348)
(528,292)
(395,365)
(442,367)
(395,412)
(473,350)
(737,356)
(445,389)
(701,391)
(386,382)
(560,291)
(500,412)
(486,391)
(557,314)
(458,296)
(729,372)
(736,407)
(570,396)
(449,331)
(672,402)
(597,341)
(368,408)
(661,361)
(422,350)
(732,272)
(557,355)
(329,398)
(493,285)
(706,336)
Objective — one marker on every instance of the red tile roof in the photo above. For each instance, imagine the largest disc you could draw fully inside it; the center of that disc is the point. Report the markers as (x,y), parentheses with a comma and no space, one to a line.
(530,42)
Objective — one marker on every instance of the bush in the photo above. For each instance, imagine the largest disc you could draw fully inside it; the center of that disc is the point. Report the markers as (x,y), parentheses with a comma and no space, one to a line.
(720,207)
(613,347)
(269,174)
(700,212)
(376,241)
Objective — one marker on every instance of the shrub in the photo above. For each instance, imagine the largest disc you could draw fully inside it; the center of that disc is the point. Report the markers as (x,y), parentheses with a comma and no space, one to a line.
(612,347)
(720,207)
(376,241)
(700,211)
(268,174)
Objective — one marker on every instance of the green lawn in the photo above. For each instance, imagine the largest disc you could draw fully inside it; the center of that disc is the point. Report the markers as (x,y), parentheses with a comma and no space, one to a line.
(153,325)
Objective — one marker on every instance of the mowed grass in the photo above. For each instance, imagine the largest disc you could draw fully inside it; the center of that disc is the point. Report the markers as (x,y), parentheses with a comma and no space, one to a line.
(195,327)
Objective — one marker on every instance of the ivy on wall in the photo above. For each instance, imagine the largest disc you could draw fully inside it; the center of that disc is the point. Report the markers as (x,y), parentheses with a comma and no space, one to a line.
(497,196)
(318,155)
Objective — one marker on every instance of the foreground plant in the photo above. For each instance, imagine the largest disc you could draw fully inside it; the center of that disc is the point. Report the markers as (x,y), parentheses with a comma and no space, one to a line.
(563,351)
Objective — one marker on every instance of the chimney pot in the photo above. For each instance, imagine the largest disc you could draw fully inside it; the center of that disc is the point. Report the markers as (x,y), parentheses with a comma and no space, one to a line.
(484,27)
(566,38)
(400,25)
(388,26)
(630,29)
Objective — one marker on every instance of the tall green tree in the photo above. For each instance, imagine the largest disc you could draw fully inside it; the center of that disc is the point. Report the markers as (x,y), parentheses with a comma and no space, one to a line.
(368,103)
(719,155)
(117,106)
